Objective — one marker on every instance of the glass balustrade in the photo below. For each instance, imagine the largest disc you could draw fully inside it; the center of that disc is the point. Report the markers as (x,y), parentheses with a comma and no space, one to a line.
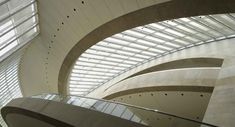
(145,116)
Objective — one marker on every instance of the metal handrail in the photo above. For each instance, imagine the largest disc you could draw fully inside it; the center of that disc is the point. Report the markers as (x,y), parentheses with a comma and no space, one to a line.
(134,106)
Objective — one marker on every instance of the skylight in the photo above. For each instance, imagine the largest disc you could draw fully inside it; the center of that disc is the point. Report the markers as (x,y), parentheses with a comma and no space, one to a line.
(18,24)
(131,48)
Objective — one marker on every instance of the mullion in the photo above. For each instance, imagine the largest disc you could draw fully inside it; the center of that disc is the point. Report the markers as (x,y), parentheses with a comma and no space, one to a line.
(83,88)
(80,91)
(134,52)
(79,86)
(163,38)
(154,42)
(84,84)
(187,34)
(85,61)
(5,93)
(108,56)
(209,27)
(193,35)
(123,46)
(157,44)
(98,50)
(97,77)
(108,71)
(4,2)
(90,74)
(104,59)
(231,16)
(19,10)
(89,78)
(99,73)
(110,66)
(169,34)
(112,61)
(93,71)
(86,81)
(195,29)
(130,42)
(18,24)
(216,20)
(152,35)
(18,36)
(116,62)
(156,36)
(97,67)
(7,63)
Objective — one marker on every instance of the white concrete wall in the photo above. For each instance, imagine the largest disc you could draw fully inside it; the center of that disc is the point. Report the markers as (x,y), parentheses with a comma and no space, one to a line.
(176,77)
(220,49)
(42,61)
(221,108)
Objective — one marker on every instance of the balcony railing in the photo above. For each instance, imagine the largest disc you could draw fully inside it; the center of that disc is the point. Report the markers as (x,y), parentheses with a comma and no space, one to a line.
(142,115)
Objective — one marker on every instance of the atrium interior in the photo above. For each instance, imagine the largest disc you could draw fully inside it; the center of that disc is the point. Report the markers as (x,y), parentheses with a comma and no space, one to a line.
(112,63)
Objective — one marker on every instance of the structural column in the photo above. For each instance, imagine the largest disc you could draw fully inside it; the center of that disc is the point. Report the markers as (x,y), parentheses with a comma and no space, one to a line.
(221,108)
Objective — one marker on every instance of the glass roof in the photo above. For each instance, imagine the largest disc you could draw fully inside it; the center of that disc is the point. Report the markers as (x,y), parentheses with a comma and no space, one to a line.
(18,24)
(131,48)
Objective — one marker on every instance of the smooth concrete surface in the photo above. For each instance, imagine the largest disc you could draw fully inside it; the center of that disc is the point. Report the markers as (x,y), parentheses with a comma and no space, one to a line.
(60,114)
(44,65)
(221,109)
(27,75)
(187,104)
(18,120)
(220,49)
(176,78)
(183,63)
(164,11)
(184,92)
(62,25)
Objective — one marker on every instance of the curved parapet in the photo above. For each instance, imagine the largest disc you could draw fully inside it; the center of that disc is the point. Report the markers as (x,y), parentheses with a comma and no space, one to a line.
(49,110)
(185,79)
(35,112)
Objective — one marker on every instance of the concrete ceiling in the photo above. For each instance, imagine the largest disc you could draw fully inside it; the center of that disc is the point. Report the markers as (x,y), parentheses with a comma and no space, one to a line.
(62,24)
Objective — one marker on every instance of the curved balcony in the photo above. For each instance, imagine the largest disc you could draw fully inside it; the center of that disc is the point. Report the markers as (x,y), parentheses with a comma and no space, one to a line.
(49,110)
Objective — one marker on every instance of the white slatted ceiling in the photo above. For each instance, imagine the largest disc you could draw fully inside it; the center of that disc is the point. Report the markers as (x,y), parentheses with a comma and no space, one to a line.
(9,83)
(131,48)
(18,24)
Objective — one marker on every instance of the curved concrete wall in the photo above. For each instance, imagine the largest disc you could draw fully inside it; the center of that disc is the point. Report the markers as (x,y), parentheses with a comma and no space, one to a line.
(19,120)
(45,112)
(221,108)
(183,63)
(62,25)
(180,102)
(173,80)
(159,12)
(221,49)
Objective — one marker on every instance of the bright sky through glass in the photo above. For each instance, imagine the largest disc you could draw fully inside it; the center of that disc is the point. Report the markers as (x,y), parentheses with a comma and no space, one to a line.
(126,50)
(18,23)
